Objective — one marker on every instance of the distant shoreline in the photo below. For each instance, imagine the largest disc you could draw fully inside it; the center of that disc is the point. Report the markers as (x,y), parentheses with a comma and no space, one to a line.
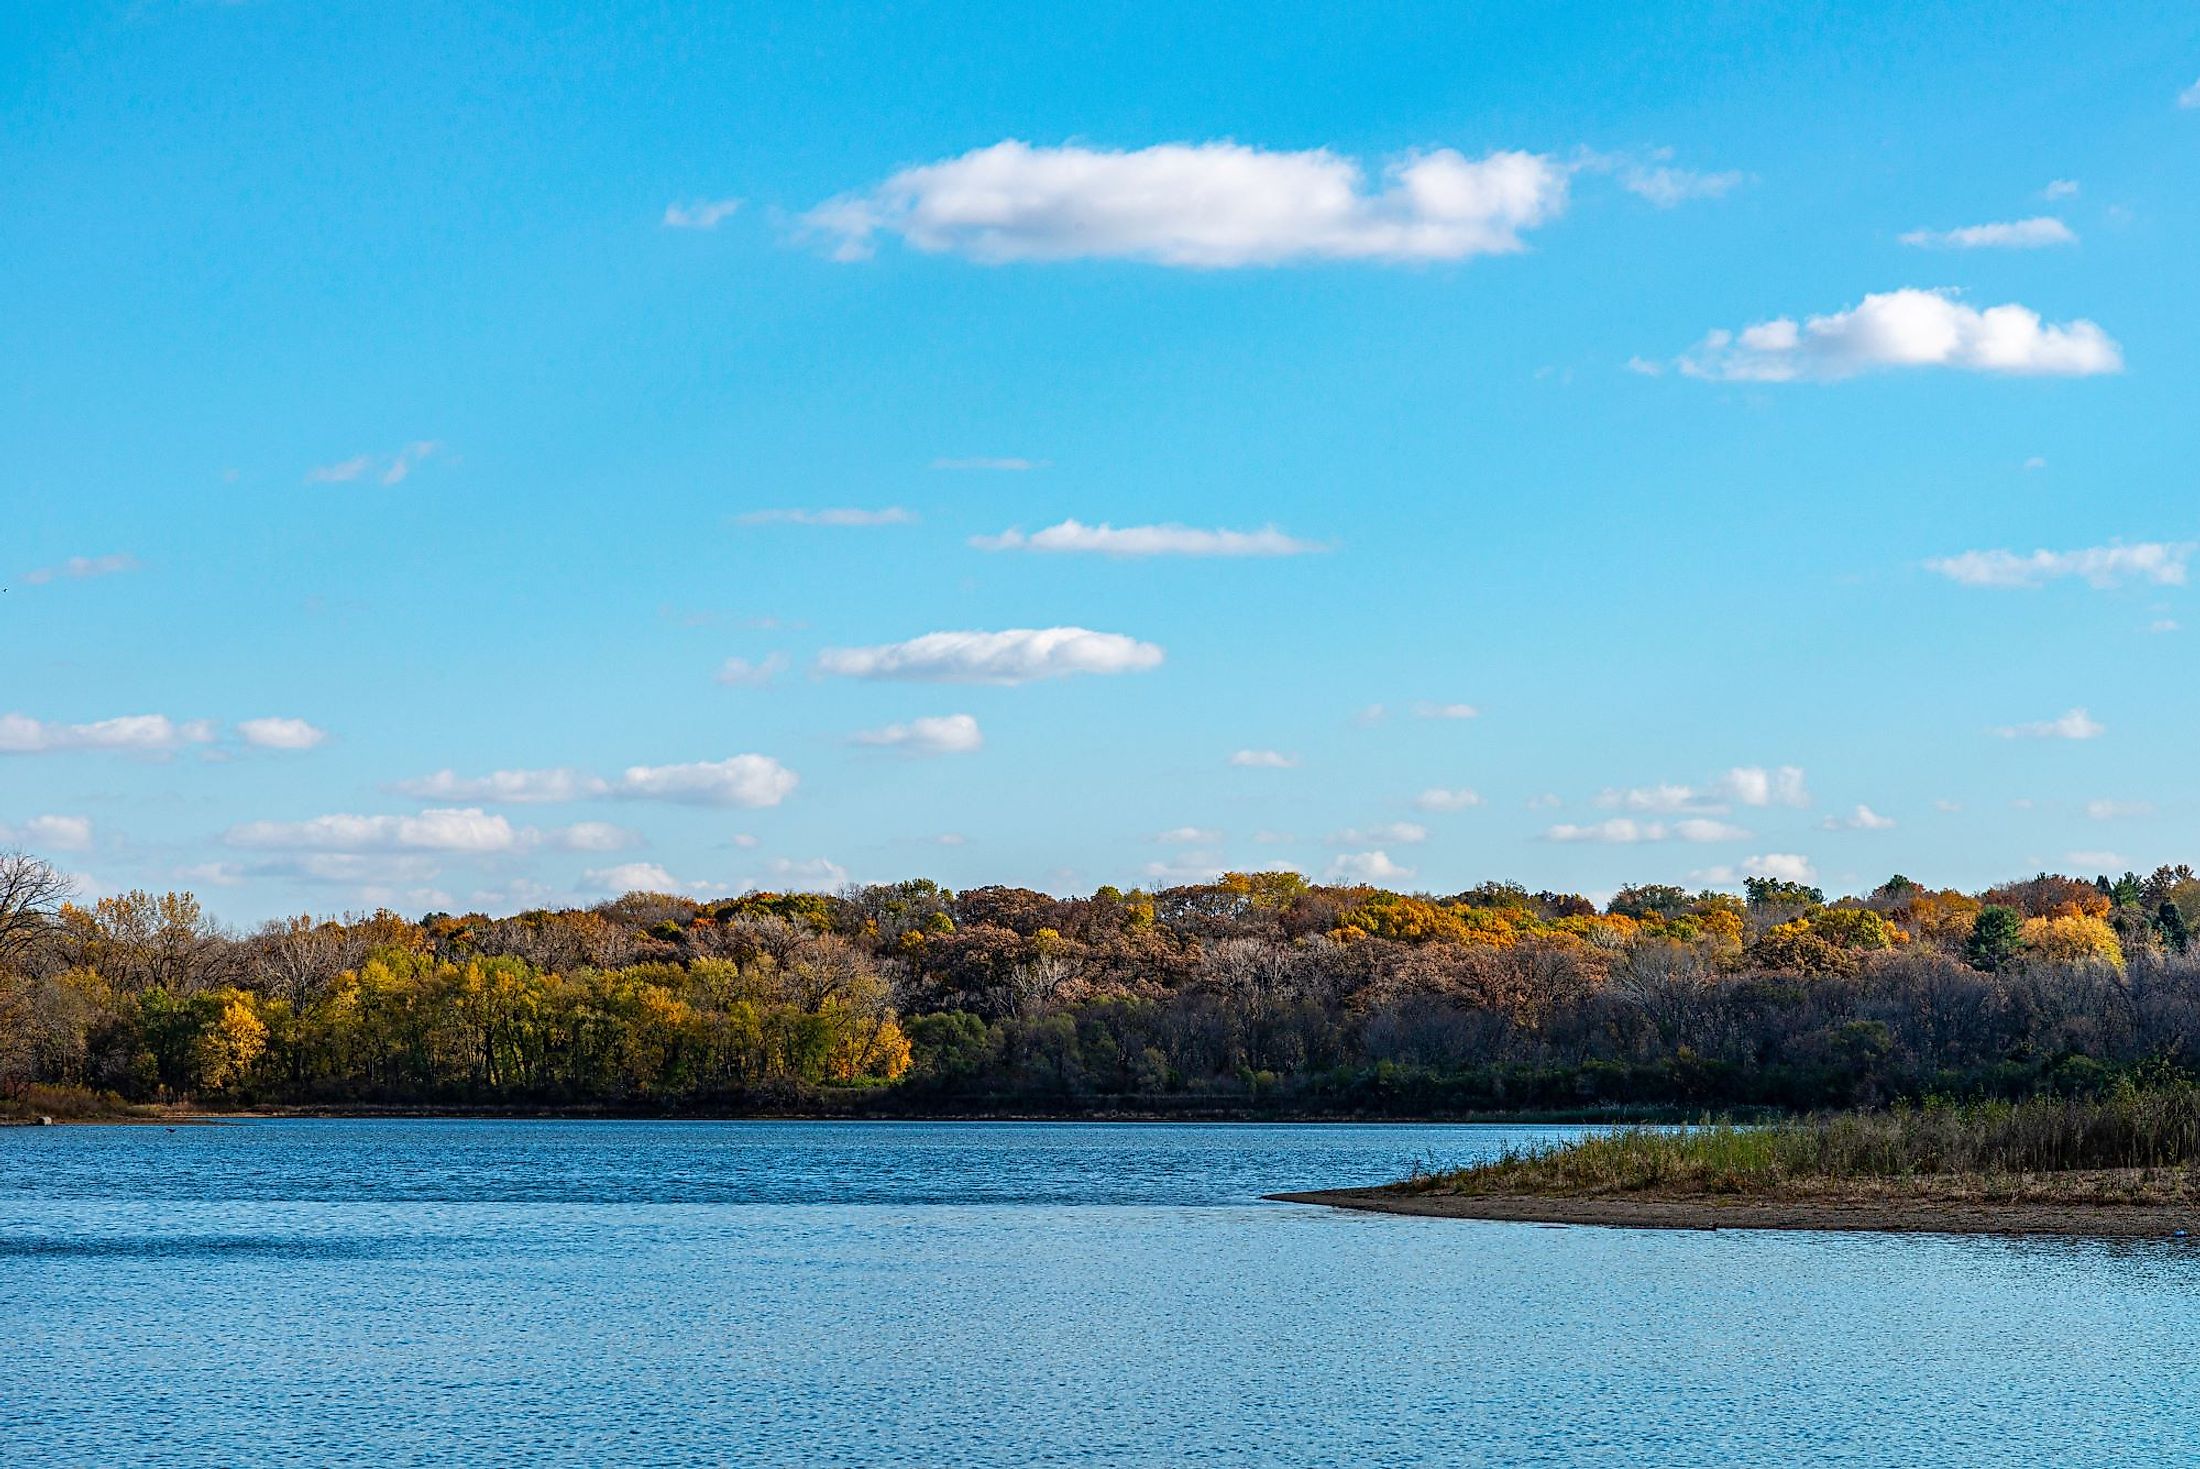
(1882,1215)
(173,1113)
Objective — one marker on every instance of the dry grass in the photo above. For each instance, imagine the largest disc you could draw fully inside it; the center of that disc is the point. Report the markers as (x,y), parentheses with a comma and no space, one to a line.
(2130,1148)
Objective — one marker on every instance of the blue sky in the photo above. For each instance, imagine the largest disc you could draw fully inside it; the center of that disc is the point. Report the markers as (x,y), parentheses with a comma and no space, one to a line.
(411,412)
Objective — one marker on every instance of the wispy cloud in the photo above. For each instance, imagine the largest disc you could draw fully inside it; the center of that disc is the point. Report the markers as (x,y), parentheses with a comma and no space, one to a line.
(390,469)
(1005,464)
(2074,724)
(50,834)
(1073,536)
(1366,867)
(1863,818)
(1388,833)
(1427,710)
(2035,233)
(699,214)
(942,734)
(1654,176)
(846,516)
(140,733)
(1441,798)
(2160,563)
(81,568)
(1208,205)
(1012,656)
(1263,760)
(1188,836)
(2190,97)
(1905,329)
(739,780)
(2060,189)
(1626,831)
(747,673)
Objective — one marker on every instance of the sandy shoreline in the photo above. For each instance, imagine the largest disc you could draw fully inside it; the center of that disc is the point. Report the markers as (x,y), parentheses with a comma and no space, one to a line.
(1880,1216)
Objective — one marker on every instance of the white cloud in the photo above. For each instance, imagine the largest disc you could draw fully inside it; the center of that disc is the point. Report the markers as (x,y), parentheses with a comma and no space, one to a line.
(845,516)
(593,836)
(142,733)
(1786,866)
(1754,785)
(2074,724)
(505,787)
(2099,861)
(2015,234)
(699,214)
(1366,867)
(941,734)
(640,877)
(1440,798)
(1863,818)
(2163,624)
(1263,760)
(814,874)
(1009,464)
(1426,710)
(1905,328)
(1626,831)
(281,734)
(743,673)
(1744,785)
(394,468)
(1014,656)
(1183,867)
(739,780)
(2060,189)
(1188,836)
(1148,540)
(2190,97)
(1201,205)
(81,568)
(50,833)
(1653,176)
(1393,833)
(2103,810)
(468,829)
(2161,563)
(1371,716)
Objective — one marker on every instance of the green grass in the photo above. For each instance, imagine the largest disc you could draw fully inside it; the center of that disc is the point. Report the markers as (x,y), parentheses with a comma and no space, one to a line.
(2133,1130)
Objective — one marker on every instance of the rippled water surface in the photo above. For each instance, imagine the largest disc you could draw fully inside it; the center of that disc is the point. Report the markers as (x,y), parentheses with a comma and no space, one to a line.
(459,1292)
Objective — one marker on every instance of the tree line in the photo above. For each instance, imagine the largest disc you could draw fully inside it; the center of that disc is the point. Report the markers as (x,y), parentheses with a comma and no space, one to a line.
(1257,991)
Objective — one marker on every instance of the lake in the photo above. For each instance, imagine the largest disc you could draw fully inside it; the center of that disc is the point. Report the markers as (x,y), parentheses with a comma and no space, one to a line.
(520,1292)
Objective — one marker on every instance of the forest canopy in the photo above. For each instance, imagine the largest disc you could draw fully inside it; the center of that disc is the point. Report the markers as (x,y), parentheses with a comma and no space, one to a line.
(1256,990)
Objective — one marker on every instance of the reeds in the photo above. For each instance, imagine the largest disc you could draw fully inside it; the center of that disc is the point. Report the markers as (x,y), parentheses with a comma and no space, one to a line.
(2131,1129)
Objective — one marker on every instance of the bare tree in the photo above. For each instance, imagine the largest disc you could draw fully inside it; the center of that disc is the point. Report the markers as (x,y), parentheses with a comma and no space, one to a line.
(31,891)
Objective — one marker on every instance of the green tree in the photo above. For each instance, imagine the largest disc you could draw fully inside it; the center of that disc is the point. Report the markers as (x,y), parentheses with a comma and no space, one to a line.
(2170,924)
(1996,936)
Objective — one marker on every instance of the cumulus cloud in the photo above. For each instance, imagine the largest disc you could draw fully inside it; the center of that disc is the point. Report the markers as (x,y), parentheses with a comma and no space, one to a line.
(1006,463)
(281,734)
(2160,563)
(1626,831)
(1365,867)
(940,734)
(812,874)
(747,673)
(739,780)
(1208,205)
(1785,866)
(2073,724)
(1863,818)
(640,877)
(50,834)
(151,734)
(468,829)
(1394,833)
(699,214)
(1073,536)
(1901,329)
(1263,760)
(844,516)
(1014,656)
(1441,798)
(2014,234)
(2103,810)
(81,568)
(1744,785)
